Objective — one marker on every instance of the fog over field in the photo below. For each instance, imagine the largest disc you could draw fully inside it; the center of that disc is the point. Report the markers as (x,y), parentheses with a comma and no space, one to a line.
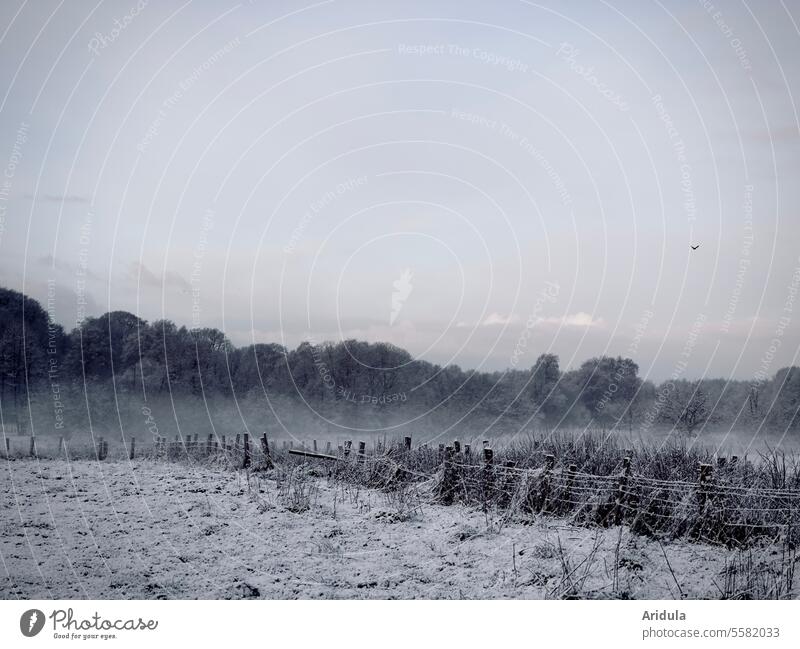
(402,283)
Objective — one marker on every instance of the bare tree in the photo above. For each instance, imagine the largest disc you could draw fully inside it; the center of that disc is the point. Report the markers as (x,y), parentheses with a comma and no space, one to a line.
(687,407)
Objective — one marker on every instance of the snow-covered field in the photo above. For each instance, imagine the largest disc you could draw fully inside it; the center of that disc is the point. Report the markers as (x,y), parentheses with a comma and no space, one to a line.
(116,530)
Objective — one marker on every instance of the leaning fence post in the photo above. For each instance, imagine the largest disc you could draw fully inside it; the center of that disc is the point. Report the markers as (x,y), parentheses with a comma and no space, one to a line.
(246,460)
(265,445)
(362,446)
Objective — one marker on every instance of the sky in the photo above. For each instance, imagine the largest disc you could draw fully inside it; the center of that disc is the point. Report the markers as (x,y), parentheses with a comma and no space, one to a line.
(476,182)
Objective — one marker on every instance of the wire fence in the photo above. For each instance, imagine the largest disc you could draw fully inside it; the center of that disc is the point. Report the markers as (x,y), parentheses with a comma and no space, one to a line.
(733,502)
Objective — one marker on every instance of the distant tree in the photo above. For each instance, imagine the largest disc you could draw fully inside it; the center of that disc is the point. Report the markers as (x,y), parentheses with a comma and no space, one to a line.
(28,341)
(784,406)
(545,375)
(686,407)
(100,348)
(608,388)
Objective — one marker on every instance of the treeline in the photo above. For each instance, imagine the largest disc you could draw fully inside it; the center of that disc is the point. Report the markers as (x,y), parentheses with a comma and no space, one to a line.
(118,370)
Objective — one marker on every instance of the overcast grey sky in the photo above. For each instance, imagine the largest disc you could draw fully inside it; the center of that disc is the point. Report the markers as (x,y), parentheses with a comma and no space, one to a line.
(477,182)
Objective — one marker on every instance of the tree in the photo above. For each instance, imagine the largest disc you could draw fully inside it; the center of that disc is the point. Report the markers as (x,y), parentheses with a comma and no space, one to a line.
(29,342)
(784,408)
(608,388)
(545,375)
(686,407)
(100,347)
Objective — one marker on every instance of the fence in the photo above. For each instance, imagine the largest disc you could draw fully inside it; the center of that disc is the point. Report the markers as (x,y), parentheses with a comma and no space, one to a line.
(729,503)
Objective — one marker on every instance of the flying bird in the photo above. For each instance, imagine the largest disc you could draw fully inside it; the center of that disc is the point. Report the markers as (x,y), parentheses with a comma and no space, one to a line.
(695,247)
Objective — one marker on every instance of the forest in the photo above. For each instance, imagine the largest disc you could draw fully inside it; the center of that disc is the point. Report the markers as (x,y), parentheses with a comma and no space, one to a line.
(118,371)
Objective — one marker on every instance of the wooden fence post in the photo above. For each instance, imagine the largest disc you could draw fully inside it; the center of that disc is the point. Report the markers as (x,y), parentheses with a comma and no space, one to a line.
(285,444)
(407,443)
(347,445)
(33,446)
(132,453)
(99,448)
(362,446)
(448,477)
(571,471)
(8,447)
(549,463)
(456,446)
(328,447)
(208,443)
(265,445)
(622,497)
(314,442)
(246,460)
(60,444)
(508,484)
(488,476)
(705,480)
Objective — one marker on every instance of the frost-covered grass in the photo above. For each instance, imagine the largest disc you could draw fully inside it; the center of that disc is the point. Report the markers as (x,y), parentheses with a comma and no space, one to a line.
(150,528)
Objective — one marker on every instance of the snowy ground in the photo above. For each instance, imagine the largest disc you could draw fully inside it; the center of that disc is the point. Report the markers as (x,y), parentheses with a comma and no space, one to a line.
(118,530)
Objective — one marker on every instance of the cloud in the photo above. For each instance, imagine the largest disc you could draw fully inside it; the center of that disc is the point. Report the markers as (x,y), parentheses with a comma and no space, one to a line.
(579,319)
(498,319)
